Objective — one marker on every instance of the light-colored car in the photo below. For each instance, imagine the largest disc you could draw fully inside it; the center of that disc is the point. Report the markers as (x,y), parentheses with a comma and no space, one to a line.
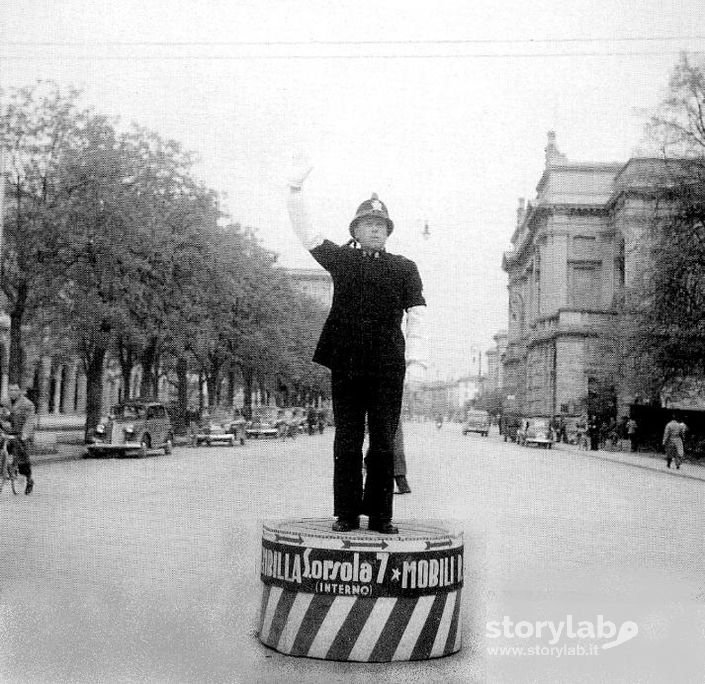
(213,432)
(477,421)
(134,428)
(536,431)
(263,423)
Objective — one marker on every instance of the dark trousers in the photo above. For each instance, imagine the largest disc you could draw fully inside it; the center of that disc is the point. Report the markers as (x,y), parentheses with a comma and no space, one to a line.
(635,442)
(18,450)
(399,455)
(377,398)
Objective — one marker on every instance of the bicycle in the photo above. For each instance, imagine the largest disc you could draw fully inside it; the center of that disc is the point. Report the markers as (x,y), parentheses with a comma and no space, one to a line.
(8,466)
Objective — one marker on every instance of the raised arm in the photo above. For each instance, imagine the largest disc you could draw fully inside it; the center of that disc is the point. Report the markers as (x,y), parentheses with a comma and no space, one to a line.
(296,204)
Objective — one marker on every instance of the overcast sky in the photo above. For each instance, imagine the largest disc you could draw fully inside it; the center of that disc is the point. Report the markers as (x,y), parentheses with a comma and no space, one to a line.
(442,108)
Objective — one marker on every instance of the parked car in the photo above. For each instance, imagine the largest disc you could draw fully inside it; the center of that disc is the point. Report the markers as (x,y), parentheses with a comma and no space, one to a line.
(220,429)
(298,418)
(536,431)
(477,421)
(133,429)
(263,423)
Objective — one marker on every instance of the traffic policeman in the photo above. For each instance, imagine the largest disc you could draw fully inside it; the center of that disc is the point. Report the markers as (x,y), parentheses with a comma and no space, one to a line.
(363,345)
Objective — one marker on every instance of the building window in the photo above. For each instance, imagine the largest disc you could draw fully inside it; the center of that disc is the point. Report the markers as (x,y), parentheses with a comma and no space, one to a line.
(585,285)
(619,264)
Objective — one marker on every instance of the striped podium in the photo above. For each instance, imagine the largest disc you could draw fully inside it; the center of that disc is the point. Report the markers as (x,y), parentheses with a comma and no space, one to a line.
(361,596)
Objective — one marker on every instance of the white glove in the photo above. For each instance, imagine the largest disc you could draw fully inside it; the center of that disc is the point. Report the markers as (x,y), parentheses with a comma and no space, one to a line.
(301,167)
(415,373)
(298,211)
(415,335)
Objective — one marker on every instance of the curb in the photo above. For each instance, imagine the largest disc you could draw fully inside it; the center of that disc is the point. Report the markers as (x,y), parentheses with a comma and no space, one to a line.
(75,452)
(650,461)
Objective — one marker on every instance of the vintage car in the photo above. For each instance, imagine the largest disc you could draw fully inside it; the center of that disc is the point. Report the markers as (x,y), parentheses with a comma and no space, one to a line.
(477,421)
(536,431)
(220,429)
(263,423)
(133,428)
(298,419)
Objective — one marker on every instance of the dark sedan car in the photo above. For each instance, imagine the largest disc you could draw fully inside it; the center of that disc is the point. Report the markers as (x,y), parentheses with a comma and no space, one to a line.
(133,429)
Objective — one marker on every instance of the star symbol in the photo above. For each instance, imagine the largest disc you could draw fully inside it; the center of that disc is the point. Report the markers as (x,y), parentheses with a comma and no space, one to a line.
(395,575)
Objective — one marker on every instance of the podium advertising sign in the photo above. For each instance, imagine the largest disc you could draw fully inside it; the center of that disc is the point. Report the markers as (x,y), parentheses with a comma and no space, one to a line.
(361,596)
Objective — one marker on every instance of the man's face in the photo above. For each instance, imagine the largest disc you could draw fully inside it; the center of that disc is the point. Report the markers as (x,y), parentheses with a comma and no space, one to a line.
(371,232)
(14,392)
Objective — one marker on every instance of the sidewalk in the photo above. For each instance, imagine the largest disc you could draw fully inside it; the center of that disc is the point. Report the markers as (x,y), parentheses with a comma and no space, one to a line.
(60,422)
(58,437)
(648,460)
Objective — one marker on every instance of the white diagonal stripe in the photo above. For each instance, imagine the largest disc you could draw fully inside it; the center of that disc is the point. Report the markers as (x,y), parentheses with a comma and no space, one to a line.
(413,628)
(458,636)
(331,626)
(373,628)
(293,622)
(442,634)
(274,594)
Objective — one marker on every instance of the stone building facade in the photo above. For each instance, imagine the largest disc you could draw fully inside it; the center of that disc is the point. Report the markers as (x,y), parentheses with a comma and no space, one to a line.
(495,368)
(573,250)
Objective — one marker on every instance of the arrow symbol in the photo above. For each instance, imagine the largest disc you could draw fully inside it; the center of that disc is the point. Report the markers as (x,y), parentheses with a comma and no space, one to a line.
(368,545)
(298,539)
(438,545)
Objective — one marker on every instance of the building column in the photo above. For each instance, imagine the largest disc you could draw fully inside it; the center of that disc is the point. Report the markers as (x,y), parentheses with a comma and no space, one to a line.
(69,388)
(44,378)
(81,383)
(57,389)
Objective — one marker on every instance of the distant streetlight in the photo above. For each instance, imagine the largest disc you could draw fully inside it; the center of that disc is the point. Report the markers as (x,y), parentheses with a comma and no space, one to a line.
(426,232)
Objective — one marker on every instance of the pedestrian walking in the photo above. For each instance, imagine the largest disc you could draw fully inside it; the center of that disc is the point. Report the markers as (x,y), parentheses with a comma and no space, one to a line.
(562,435)
(312,420)
(633,434)
(399,463)
(593,429)
(21,422)
(363,345)
(673,442)
(684,434)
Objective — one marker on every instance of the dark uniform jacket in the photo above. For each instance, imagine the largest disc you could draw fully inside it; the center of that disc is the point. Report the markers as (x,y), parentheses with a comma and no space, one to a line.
(370,294)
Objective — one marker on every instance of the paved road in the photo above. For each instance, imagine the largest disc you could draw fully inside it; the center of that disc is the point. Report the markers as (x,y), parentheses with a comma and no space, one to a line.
(127,571)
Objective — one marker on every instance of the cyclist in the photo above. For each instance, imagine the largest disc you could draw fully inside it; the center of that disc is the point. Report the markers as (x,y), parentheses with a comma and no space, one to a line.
(20,422)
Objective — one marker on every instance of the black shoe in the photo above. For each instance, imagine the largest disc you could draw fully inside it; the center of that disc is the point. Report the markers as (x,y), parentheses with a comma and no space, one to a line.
(346,525)
(382,526)
(402,485)
(29,487)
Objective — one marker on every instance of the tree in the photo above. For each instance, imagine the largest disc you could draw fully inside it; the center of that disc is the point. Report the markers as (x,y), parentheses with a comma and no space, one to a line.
(38,126)
(100,251)
(662,336)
